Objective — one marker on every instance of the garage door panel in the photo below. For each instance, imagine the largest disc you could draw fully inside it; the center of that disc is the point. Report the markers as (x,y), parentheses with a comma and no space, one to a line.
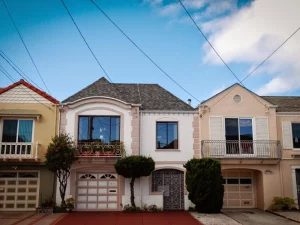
(247,203)
(82,191)
(233,196)
(233,203)
(246,188)
(232,188)
(246,195)
(101,192)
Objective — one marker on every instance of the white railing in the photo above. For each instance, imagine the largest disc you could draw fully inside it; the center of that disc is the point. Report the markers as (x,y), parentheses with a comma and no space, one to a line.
(21,150)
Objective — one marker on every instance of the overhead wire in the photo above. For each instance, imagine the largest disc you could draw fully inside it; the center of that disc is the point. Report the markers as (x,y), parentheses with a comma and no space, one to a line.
(144,53)
(25,45)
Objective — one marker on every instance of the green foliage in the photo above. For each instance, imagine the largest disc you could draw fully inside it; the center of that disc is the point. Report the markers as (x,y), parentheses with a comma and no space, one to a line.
(70,202)
(61,153)
(133,167)
(48,203)
(145,208)
(204,184)
(60,156)
(282,203)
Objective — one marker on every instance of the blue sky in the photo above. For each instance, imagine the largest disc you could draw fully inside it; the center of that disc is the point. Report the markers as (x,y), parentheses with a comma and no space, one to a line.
(163,31)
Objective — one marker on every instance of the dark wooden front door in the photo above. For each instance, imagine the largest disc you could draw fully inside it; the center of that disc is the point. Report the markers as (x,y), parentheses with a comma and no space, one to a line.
(171,183)
(298,185)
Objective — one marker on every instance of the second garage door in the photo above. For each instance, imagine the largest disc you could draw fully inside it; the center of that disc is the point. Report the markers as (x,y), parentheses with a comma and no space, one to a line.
(97,191)
(239,191)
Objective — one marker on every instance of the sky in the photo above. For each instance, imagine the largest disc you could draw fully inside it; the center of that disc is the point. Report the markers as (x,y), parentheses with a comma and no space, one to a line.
(243,32)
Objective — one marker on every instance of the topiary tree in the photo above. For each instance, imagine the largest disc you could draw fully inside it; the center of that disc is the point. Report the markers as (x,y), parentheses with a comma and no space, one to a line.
(204,184)
(59,158)
(133,167)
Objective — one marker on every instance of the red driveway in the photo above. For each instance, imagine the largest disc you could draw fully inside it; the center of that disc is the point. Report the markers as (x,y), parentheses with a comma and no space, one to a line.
(119,218)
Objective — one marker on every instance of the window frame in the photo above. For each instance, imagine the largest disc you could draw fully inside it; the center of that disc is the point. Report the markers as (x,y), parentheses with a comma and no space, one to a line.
(239,118)
(18,119)
(161,149)
(293,135)
(90,140)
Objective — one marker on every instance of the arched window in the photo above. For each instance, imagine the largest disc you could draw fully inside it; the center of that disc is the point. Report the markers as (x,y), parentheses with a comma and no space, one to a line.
(108,176)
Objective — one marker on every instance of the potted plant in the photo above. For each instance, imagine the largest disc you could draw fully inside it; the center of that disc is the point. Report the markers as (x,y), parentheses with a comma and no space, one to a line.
(70,202)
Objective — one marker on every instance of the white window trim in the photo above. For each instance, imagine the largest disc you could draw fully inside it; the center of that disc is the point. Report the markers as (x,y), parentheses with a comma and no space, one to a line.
(294,149)
(18,119)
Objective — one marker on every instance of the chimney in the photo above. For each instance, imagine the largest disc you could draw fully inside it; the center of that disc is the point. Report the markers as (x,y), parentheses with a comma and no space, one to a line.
(189,101)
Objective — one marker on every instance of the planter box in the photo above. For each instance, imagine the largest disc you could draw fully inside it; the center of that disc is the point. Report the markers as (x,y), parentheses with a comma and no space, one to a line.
(44,209)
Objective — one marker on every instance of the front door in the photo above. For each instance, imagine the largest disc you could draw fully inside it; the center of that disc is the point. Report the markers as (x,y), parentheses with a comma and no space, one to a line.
(171,183)
(298,185)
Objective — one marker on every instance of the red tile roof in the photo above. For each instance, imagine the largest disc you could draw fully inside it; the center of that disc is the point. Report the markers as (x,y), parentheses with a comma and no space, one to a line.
(31,87)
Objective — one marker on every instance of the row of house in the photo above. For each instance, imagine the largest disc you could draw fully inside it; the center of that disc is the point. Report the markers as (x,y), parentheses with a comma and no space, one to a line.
(256,138)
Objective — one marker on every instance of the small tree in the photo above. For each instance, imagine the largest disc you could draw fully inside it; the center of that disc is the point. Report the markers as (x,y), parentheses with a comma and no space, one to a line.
(59,158)
(133,167)
(204,184)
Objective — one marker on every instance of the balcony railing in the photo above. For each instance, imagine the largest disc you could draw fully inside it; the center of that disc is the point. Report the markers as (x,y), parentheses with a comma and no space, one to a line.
(241,149)
(21,150)
(98,149)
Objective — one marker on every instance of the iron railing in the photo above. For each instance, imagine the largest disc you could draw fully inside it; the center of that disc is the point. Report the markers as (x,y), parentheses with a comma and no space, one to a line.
(260,149)
(19,150)
(98,149)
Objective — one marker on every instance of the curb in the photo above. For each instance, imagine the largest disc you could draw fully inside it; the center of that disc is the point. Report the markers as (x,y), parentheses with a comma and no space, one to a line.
(272,212)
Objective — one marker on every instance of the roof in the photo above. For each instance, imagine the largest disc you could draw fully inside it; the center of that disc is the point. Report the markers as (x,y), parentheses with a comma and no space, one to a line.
(285,103)
(31,87)
(150,96)
(19,112)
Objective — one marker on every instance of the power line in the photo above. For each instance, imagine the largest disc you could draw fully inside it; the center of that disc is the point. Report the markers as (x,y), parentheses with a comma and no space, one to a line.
(19,70)
(260,64)
(25,45)
(210,43)
(146,55)
(13,81)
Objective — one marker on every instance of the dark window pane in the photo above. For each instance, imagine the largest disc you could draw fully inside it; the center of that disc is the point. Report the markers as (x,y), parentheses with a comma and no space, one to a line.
(161,132)
(232,181)
(296,134)
(25,131)
(115,129)
(231,129)
(245,181)
(83,129)
(246,132)
(9,131)
(101,129)
(172,136)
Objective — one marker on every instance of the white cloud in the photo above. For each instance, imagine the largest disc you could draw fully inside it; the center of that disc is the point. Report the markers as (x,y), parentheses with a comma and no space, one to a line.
(252,33)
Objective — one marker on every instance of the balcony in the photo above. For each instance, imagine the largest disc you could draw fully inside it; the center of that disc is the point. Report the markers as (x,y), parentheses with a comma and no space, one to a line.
(21,150)
(241,149)
(100,150)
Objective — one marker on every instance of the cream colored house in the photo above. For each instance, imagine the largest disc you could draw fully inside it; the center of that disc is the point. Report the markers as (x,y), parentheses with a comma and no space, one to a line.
(28,121)
(246,132)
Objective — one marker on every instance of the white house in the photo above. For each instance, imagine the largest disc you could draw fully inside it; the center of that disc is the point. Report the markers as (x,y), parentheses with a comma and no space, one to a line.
(144,118)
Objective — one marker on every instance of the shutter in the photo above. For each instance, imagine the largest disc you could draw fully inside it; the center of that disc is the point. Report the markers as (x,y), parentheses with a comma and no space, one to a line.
(287,135)
(262,134)
(217,134)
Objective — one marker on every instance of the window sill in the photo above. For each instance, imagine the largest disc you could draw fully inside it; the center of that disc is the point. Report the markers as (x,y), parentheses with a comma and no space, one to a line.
(296,149)
(169,150)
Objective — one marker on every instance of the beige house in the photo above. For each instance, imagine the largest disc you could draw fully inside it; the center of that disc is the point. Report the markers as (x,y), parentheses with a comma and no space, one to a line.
(28,121)
(246,132)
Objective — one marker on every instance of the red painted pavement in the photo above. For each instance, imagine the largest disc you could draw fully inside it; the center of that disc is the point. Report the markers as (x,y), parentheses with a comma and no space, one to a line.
(119,218)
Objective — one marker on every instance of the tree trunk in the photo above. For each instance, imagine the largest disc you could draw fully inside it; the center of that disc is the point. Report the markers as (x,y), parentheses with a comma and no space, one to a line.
(132,191)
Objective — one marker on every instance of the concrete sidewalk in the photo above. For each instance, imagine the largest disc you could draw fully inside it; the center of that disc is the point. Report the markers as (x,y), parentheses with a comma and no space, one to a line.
(257,217)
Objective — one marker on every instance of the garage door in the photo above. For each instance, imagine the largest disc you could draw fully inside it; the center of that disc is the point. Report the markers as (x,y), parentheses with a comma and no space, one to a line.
(97,191)
(239,192)
(19,191)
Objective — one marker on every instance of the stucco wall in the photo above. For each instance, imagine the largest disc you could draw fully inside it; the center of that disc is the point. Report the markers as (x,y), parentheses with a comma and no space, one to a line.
(185,136)
(44,129)
(249,107)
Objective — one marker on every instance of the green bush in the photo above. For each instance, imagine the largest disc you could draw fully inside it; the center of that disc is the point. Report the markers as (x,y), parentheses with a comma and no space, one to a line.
(282,203)
(204,184)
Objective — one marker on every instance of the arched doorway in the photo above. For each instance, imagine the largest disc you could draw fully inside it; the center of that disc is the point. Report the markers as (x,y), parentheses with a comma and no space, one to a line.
(171,183)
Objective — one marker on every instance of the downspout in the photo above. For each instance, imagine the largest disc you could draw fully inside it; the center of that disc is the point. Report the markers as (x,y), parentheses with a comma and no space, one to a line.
(140,131)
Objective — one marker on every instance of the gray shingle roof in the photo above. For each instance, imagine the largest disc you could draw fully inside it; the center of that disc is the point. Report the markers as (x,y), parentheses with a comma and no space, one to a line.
(151,96)
(285,103)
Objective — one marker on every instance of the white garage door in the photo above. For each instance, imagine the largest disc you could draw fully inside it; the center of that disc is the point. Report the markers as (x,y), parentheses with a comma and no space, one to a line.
(97,191)
(19,191)
(239,192)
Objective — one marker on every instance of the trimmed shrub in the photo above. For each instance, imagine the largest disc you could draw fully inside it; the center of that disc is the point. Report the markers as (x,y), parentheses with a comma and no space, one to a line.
(282,203)
(204,184)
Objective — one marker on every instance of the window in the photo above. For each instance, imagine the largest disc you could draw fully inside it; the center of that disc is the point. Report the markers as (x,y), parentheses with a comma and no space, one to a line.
(17,131)
(105,129)
(167,135)
(296,135)
(239,136)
